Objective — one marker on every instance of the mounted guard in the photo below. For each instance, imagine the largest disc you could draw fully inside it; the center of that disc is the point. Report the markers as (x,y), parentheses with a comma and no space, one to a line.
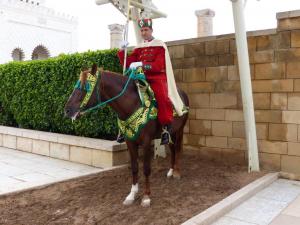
(153,56)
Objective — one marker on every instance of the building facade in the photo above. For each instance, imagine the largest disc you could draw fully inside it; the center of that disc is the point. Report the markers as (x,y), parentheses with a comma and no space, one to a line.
(30,31)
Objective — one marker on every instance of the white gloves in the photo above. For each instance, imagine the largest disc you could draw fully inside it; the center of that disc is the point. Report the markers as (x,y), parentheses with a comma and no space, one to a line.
(124,44)
(135,65)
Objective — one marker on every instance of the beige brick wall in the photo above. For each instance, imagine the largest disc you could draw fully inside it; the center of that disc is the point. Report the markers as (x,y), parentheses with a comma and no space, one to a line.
(100,158)
(237,143)
(81,155)
(290,164)
(60,151)
(270,161)
(9,141)
(270,71)
(262,100)
(193,75)
(223,100)
(294,149)
(279,101)
(216,142)
(24,144)
(194,140)
(202,127)
(294,101)
(96,152)
(283,132)
(41,147)
(195,103)
(297,85)
(295,38)
(207,70)
(222,128)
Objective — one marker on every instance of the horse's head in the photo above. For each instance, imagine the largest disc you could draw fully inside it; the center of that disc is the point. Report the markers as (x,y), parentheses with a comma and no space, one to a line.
(82,93)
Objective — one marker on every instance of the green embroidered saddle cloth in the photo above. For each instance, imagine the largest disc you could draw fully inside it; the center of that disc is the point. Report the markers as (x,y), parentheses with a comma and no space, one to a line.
(132,126)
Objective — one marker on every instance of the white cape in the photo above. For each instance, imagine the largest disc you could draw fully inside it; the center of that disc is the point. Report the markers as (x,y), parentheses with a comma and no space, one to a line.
(172,89)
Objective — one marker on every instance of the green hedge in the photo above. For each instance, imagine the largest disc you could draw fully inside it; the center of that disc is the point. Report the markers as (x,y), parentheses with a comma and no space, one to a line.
(33,94)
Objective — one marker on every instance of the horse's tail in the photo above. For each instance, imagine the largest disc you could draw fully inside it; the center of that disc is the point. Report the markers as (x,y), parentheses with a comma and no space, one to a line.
(184,97)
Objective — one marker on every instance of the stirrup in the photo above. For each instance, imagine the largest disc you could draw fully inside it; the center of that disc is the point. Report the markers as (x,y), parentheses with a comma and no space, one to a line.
(120,138)
(166,132)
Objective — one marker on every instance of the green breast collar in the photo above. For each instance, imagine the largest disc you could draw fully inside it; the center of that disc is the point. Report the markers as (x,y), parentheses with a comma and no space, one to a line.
(131,127)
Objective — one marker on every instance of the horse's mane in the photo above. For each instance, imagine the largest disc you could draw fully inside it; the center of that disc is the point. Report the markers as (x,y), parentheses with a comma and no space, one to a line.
(117,79)
(84,74)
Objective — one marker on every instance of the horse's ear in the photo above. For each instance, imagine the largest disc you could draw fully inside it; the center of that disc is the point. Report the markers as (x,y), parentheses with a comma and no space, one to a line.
(94,69)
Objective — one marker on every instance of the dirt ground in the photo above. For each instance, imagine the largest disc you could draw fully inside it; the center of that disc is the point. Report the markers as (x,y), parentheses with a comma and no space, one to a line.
(97,199)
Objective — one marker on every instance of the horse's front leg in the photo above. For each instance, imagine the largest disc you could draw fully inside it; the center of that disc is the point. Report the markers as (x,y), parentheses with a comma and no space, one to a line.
(146,201)
(133,151)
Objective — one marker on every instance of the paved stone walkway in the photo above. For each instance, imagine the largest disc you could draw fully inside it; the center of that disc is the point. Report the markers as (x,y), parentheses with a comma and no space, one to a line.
(278,204)
(21,170)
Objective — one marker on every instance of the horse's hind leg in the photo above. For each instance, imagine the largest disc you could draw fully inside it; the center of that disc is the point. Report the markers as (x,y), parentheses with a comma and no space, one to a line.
(146,201)
(133,151)
(172,158)
(176,150)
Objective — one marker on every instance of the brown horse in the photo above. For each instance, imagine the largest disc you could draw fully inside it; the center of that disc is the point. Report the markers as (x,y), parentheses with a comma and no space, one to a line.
(111,84)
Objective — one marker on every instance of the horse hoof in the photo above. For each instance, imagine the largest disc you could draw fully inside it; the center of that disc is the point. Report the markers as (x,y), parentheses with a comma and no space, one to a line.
(176,175)
(170,173)
(128,202)
(146,201)
(132,195)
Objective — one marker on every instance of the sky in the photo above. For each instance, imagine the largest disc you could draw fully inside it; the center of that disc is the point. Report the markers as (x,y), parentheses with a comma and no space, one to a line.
(181,23)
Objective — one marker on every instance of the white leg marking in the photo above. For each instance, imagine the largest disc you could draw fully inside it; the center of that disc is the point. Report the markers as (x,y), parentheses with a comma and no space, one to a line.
(146,201)
(132,195)
(170,173)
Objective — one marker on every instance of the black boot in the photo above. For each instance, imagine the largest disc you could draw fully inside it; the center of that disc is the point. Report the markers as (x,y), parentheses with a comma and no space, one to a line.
(165,135)
(120,138)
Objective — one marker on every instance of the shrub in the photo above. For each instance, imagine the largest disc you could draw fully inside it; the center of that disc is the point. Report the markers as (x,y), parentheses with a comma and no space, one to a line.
(33,94)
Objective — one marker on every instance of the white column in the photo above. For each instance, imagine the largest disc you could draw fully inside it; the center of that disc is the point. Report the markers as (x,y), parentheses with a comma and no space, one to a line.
(116,35)
(205,22)
(135,16)
(246,87)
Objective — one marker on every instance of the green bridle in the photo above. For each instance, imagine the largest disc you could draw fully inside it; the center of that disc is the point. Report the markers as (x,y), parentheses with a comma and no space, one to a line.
(88,87)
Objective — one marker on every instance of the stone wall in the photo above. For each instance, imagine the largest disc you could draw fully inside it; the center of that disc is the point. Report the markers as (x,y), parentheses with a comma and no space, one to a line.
(89,151)
(206,68)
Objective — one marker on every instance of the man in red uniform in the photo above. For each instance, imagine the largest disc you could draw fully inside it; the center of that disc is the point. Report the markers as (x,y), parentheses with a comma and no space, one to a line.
(151,57)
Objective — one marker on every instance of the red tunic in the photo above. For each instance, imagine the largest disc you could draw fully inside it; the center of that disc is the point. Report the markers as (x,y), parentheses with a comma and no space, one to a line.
(154,66)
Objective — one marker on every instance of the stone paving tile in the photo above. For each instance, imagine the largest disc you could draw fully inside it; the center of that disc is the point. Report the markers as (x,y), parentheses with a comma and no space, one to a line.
(66,164)
(8,170)
(63,173)
(34,176)
(258,210)
(19,162)
(281,190)
(230,221)
(22,170)
(279,200)
(22,186)
(286,220)
(6,180)
(293,209)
